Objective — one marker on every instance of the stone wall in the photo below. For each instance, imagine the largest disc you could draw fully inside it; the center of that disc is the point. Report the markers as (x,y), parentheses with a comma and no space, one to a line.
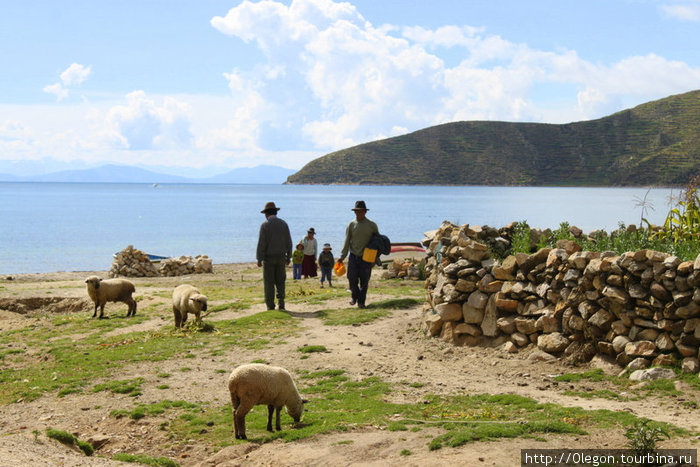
(132,262)
(640,308)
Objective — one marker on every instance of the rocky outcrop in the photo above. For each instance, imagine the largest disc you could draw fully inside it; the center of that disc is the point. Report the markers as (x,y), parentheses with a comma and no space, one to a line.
(641,306)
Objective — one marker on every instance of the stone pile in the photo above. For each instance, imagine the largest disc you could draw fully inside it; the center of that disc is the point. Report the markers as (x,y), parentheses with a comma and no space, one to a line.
(403,269)
(641,308)
(184,265)
(132,262)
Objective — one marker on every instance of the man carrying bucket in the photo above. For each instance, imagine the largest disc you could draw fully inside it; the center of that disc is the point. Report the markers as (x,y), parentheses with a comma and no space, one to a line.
(357,236)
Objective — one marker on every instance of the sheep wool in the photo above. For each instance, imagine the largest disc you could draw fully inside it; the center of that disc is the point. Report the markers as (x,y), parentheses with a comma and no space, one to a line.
(258,384)
(102,291)
(187,299)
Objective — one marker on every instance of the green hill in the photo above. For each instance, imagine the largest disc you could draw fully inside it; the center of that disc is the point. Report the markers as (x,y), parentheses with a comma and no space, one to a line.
(657,143)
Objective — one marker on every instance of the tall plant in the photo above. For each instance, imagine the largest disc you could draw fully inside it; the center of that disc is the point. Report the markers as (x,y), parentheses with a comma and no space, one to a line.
(683,221)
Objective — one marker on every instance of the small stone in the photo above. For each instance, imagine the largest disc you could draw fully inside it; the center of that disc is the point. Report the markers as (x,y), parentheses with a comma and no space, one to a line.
(652,374)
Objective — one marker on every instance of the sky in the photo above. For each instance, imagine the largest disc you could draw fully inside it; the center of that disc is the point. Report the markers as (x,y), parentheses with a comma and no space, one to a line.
(230,83)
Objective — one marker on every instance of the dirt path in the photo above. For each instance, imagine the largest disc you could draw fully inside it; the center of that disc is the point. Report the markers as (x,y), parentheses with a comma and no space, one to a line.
(391,348)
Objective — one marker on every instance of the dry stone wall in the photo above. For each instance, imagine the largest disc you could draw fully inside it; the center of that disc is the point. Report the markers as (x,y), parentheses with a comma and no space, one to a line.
(132,262)
(641,308)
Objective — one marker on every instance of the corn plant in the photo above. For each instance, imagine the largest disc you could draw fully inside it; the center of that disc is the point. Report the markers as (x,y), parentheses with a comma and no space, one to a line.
(683,221)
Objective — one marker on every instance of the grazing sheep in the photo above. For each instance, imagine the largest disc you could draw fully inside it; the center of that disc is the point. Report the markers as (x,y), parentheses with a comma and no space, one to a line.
(258,384)
(187,299)
(102,291)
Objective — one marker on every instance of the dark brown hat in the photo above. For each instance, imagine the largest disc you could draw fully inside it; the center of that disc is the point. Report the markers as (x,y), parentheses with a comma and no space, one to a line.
(360,206)
(311,231)
(270,207)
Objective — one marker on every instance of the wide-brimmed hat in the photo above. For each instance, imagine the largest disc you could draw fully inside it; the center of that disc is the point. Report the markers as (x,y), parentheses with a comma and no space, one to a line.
(327,245)
(360,206)
(311,230)
(269,207)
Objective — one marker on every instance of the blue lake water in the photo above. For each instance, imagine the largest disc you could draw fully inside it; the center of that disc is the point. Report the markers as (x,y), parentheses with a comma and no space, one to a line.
(47,227)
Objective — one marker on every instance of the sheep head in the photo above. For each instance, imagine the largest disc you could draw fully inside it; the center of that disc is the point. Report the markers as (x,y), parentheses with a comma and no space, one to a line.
(93,281)
(199,301)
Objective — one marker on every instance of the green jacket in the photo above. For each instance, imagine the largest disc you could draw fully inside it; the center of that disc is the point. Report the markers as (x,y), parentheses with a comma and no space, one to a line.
(357,237)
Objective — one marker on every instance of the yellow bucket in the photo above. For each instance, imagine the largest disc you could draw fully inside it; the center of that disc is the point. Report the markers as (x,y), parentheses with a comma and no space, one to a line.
(339,269)
(369,255)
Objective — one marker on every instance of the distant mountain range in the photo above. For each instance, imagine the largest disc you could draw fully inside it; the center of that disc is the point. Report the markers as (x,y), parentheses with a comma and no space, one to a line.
(111,173)
(657,143)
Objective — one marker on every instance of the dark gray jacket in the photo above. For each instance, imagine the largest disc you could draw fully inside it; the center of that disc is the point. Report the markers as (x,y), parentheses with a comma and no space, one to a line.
(274,240)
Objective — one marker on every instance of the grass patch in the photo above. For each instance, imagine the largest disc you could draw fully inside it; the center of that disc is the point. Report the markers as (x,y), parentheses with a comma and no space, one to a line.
(374,311)
(312,349)
(132,387)
(145,460)
(70,364)
(158,408)
(621,388)
(340,404)
(70,440)
(599,394)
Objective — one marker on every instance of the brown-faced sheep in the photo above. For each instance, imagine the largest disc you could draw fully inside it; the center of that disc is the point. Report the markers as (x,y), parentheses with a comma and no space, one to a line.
(187,299)
(102,291)
(257,384)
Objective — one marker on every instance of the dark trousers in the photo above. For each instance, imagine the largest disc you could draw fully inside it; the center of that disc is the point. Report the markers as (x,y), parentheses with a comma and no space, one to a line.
(274,276)
(359,273)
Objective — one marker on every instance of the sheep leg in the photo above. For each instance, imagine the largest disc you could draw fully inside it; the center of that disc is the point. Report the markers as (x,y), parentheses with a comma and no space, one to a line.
(279,427)
(183,318)
(95,313)
(178,323)
(132,307)
(102,311)
(235,402)
(270,409)
(239,419)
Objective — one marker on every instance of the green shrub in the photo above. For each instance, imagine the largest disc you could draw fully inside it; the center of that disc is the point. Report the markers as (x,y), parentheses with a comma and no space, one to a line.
(643,436)
(69,439)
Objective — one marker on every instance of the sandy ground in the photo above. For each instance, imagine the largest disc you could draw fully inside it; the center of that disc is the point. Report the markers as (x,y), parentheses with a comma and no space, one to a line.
(391,348)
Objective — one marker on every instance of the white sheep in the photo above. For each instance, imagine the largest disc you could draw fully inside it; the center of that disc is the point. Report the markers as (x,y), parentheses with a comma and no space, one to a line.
(102,291)
(258,384)
(187,299)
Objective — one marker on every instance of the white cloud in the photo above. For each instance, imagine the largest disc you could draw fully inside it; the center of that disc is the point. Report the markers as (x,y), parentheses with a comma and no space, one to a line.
(11,130)
(352,82)
(688,10)
(74,75)
(142,124)
(56,89)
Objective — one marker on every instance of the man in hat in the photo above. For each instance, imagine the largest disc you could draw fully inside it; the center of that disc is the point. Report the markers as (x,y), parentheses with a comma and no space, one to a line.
(273,254)
(357,236)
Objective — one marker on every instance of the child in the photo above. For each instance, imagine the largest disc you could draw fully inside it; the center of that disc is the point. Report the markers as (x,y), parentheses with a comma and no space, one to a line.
(297,259)
(326,261)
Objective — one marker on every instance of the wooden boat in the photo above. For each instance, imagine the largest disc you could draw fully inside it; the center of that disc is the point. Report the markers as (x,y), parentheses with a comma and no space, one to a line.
(152,258)
(156,258)
(404,250)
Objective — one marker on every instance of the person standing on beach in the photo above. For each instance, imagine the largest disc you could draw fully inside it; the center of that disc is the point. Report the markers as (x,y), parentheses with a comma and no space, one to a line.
(326,261)
(297,259)
(308,266)
(357,236)
(273,254)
